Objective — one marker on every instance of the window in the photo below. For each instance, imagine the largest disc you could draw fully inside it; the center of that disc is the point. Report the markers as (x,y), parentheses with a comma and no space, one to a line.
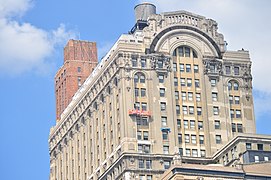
(139,135)
(200,125)
(184,109)
(160,63)
(187,51)
(79,69)
(237,99)
(202,153)
(162,92)
(231,99)
(166,164)
(143,148)
(181,67)
(201,139)
(142,78)
(256,159)
(192,124)
(180,138)
(217,124)
(238,113)
(191,110)
(213,82)
(233,127)
(229,86)
(136,78)
(184,96)
(194,152)
(141,177)
(143,63)
(134,62)
(178,111)
(178,123)
(189,82)
(136,92)
(163,106)
(181,151)
(143,92)
(236,70)
(215,110)
(240,128)
(235,86)
(164,121)
(193,139)
(137,105)
(144,106)
(218,139)
(188,68)
(176,95)
(165,149)
(197,83)
(196,68)
(214,96)
(180,51)
(174,67)
(141,164)
(232,113)
(266,158)
(198,97)
(165,135)
(148,164)
(187,152)
(79,81)
(187,138)
(212,68)
(182,82)
(175,81)
(143,121)
(185,124)
(199,111)
(260,147)
(190,96)
(149,177)
(145,135)
(248,146)
(161,78)
(228,70)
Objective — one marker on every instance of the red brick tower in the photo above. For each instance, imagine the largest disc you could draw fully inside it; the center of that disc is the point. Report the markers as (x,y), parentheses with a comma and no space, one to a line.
(80,58)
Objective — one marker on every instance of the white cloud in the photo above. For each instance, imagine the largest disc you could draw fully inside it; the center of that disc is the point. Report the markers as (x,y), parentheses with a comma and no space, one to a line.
(24,47)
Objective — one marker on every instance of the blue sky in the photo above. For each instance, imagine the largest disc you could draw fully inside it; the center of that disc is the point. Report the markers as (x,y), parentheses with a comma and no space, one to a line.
(34,32)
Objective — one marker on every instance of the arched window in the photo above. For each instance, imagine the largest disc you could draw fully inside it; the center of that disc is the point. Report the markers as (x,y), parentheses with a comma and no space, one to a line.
(139,77)
(229,86)
(233,85)
(185,51)
(136,78)
(142,78)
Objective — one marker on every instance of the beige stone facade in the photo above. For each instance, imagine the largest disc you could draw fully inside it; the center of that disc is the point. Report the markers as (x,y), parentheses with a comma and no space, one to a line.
(170,88)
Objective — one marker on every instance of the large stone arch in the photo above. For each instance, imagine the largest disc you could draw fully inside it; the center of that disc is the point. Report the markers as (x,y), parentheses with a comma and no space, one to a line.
(190,36)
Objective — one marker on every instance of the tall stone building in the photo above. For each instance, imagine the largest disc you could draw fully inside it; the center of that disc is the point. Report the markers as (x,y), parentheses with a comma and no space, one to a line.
(166,93)
(80,58)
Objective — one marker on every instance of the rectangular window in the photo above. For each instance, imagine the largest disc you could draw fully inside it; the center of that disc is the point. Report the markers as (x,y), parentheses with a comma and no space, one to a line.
(143,63)
(166,164)
(217,124)
(148,164)
(218,139)
(201,139)
(136,92)
(200,125)
(192,124)
(137,105)
(214,96)
(197,83)
(190,96)
(78,69)
(260,147)
(238,113)
(199,111)
(233,127)
(194,152)
(196,68)
(177,95)
(162,92)
(236,70)
(188,68)
(181,151)
(256,159)
(143,92)
(141,164)
(193,139)
(187,152)
(187,138)
(187,51)
(175,81)
(163,106)
(161,78)
(189,82)
(213,82)
(179,123)
(180,138)
(184,96)
(164,121)
(160,64)
(185,124)
(165,149)
(266,158)
(144,106)
(202,153)
(165,135)
(191,110)
(240,128)
(212,68)
(185,110)
(237,99)
(228,70)
(232,113)
(174,67)
(145,135)
(134,62)
(182,82)
(181,67)
(216,110)
(198,97)
(248,146)
(149,177)
(139,135)
(231,99)
(178,111)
